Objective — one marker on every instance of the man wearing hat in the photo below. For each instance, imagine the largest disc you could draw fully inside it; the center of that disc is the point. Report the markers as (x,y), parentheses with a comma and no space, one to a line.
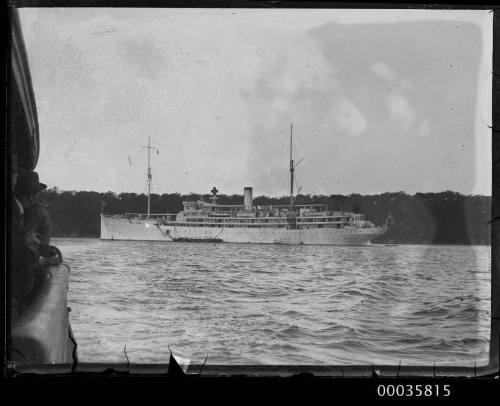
(32,242)
(37,227)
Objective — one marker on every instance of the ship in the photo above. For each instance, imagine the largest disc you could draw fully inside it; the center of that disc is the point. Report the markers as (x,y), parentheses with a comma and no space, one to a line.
(202,221)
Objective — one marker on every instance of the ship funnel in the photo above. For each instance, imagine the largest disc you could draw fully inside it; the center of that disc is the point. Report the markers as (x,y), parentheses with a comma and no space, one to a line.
(247,200)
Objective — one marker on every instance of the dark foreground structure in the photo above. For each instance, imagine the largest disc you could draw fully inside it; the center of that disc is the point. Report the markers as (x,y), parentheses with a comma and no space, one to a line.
(40,332)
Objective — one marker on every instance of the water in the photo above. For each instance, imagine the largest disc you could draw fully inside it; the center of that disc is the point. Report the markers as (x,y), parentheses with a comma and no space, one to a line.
(276,304)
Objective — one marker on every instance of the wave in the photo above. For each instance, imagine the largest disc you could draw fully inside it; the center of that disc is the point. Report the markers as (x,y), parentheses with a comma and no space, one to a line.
(257,304)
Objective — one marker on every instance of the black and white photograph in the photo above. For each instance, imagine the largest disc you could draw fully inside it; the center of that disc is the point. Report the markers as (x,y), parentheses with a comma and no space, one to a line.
(210,189)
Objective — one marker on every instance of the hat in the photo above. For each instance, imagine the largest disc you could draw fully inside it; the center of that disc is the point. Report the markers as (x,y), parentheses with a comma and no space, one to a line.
(28,183)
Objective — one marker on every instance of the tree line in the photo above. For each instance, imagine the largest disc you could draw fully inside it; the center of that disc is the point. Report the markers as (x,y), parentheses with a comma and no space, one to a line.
(423,218)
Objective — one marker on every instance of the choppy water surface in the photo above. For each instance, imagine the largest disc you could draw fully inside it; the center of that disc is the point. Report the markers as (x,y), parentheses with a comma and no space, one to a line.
(275,304)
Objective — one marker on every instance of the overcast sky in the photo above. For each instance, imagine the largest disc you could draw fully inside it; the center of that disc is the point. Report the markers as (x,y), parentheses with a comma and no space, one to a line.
(381,101)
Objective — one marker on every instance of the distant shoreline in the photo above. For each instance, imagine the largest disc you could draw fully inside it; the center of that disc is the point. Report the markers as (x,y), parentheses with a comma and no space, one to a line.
(447,218)
(431,243)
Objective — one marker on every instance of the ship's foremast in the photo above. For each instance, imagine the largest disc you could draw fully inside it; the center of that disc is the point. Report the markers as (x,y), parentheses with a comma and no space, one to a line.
(150,175)
(291,167)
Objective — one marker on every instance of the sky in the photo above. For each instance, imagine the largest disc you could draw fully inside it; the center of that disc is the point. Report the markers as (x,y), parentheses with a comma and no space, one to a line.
(380,100)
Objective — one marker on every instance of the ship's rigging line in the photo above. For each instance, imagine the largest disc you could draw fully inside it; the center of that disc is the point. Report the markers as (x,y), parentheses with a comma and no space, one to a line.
(318,168)
(284,171)
(317,179)
(299,187)
(166,168)
(314,179)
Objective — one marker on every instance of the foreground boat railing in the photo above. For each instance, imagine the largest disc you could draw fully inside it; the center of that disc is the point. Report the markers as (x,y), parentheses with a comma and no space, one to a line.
(42,333)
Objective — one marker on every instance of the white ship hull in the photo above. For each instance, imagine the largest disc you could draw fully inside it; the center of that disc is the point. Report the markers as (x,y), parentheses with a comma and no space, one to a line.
(119,228)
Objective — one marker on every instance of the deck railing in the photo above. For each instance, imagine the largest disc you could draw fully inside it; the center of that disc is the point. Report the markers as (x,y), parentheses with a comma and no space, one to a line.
(41,334)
